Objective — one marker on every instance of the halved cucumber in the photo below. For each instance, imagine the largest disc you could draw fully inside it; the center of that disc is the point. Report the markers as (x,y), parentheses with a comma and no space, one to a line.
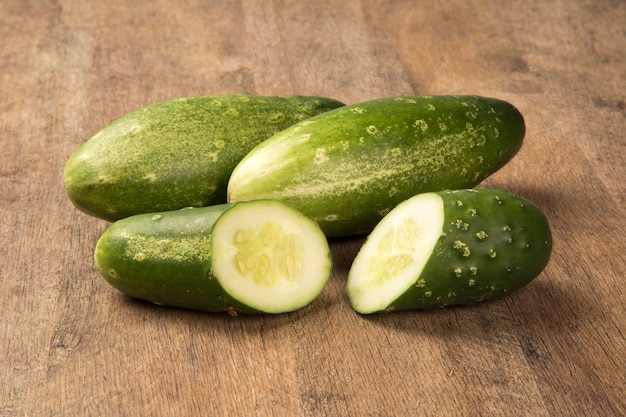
(449,248)
(251,257)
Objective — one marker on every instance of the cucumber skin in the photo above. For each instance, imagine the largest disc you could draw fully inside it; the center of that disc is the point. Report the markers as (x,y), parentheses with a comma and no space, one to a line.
(350,166)
(515,230)
(130,256)
(176,154)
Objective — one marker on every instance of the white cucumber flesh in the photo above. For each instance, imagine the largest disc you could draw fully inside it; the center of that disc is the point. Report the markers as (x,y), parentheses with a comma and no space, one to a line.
(395,252)
(270,257)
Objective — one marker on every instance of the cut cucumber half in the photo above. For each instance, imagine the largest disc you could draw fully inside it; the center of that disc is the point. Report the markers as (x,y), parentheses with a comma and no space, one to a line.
(250,257)
(452,247)
(269,256)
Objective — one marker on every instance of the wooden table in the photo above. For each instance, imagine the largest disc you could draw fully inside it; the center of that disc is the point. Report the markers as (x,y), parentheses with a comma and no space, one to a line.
(70,345)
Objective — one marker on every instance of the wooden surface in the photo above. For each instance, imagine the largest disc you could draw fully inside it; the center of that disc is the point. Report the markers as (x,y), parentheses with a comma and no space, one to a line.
(70,345)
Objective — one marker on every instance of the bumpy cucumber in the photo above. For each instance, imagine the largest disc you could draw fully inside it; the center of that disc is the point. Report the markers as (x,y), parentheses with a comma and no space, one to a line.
(348,167)
(449,248)
(176,154)
(252,257)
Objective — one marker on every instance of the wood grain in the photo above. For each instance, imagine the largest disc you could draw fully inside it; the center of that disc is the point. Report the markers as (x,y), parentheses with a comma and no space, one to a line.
(71,345)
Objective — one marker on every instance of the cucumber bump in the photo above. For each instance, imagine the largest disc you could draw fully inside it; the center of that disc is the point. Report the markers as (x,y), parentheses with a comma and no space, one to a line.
(452,247)
(251,257)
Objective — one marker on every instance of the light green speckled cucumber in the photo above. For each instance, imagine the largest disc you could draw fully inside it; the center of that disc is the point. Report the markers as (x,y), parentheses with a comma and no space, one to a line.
(348,167)
(251,257)
(178,153)
(449,248)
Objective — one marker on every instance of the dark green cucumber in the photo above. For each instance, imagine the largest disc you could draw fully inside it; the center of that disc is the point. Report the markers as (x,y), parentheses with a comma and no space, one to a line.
(450,248)
(252,257)
(178,153)
(348,167)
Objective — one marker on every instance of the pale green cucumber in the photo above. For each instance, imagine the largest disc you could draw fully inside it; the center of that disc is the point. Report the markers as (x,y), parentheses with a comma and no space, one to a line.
(449,248)
(175,154)
(251,257)
(348,167)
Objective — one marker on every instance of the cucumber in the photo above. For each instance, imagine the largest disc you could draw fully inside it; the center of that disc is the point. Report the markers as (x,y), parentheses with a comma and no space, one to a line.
(449,248)
(250,257)
(176,154)
(350,166)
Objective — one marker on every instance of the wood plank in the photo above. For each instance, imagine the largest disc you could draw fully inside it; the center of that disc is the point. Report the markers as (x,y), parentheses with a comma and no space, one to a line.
(72,345)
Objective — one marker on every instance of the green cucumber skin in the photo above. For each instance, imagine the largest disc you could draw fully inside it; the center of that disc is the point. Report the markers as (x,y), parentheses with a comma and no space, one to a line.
(493,243)
(350,166)
(175,154)
(165,258)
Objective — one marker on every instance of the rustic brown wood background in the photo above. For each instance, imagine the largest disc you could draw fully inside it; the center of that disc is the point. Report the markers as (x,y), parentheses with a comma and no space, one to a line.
(70,345)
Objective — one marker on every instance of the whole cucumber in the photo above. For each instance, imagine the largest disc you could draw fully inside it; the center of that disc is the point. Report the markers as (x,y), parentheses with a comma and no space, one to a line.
(175,154)
(350,166)
(450,248)
(252,257)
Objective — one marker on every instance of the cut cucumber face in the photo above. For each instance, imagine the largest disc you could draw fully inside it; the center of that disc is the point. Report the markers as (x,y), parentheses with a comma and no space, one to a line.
(449,248)
(270,257)
(395,252)
(252,257)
